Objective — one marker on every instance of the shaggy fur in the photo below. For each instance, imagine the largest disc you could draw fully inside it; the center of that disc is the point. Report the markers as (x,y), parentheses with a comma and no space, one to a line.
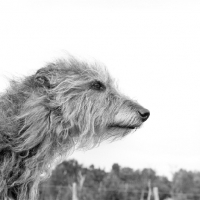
(66,105)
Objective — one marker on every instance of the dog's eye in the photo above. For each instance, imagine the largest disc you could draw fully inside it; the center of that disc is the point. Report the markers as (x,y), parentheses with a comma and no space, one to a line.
(97,85)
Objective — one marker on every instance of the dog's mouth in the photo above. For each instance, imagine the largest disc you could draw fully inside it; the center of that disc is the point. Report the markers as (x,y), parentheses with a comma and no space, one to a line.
(122,126)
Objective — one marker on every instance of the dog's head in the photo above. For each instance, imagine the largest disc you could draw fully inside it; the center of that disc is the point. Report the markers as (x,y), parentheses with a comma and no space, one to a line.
(90,107)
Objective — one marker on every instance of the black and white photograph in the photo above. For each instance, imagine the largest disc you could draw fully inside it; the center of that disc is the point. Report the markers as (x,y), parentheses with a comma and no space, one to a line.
(100,100)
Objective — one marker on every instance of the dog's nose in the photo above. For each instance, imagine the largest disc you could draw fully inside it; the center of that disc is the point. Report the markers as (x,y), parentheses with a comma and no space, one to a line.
(144,114)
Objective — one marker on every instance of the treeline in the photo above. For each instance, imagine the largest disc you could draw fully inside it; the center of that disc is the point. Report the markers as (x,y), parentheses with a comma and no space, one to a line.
(121,183)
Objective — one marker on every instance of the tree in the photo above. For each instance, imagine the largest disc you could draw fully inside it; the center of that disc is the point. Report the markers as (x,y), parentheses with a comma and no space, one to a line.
(164,187)
(92,183)
(62,178)
(112,187)
(116,169)
(186,185)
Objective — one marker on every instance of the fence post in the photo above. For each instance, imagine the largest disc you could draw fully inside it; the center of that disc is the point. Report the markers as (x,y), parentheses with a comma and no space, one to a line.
(155,193)
(149,192)
(74,192)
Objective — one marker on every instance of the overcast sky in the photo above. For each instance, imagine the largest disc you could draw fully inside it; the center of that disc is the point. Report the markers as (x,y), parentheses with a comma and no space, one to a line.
(152,48)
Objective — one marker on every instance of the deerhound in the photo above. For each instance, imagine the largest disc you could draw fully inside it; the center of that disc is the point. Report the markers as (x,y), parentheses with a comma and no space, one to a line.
(67,105)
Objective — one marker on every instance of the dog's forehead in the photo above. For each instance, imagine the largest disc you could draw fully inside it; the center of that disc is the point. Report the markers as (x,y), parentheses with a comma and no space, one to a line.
(84,70)
(74,70)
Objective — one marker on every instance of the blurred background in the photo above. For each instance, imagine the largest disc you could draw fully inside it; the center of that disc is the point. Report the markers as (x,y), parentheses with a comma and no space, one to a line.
(152,50)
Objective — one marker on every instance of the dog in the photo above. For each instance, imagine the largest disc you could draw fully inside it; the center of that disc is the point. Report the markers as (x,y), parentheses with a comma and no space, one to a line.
(67,105)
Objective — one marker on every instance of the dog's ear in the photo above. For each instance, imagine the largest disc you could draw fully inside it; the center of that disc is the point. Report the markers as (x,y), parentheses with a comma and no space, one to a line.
(42,79)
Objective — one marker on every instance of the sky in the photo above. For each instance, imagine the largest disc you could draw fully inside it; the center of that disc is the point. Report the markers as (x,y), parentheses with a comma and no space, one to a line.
(152,49)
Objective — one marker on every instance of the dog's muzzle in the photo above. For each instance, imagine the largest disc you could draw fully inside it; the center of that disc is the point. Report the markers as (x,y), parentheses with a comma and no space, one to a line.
(130,116)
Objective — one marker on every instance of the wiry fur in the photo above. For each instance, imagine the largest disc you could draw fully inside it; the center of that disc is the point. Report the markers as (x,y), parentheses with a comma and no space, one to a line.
(57,110)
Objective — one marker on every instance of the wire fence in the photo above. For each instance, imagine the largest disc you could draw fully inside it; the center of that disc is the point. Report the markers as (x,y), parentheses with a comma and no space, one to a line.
(135,191)
(120,190)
